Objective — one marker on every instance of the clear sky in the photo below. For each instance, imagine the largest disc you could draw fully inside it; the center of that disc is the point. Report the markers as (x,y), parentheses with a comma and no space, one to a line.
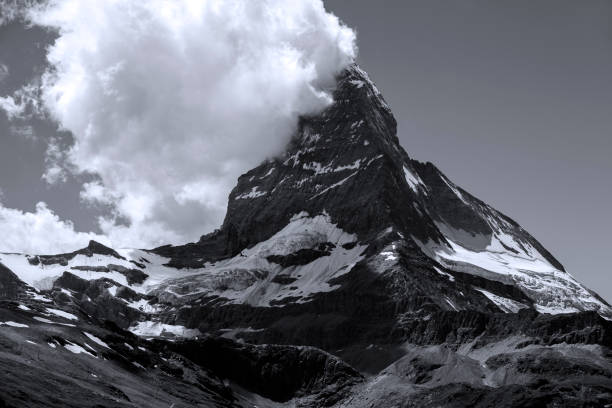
(511,99)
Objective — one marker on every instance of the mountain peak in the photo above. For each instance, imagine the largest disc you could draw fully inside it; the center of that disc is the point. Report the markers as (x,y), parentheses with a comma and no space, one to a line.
(347,163)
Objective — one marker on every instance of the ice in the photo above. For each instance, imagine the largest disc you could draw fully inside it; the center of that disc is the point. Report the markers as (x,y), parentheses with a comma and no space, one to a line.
(22,307)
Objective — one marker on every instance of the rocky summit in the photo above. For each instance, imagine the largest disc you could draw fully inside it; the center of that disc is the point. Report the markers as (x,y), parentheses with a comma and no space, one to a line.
(345,274)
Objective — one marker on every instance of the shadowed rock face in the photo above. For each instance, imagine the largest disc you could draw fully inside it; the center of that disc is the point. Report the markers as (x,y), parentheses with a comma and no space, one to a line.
(345,274)
(10,285)
(280,373)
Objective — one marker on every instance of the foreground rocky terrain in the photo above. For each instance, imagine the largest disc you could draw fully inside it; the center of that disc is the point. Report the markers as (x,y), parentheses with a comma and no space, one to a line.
(345,274)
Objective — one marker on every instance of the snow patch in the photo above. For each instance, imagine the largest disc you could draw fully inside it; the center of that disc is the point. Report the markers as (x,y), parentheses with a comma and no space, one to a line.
(96,340)
(357,83)
(144,306)
(150,328)
(43,320)
(13,324)
(254,193)
(414,181)
(389,256)
(248,277)
(338,184)
(268,173)
(505,304)
(448,275)
(76,349)
(552,291)
(63,314)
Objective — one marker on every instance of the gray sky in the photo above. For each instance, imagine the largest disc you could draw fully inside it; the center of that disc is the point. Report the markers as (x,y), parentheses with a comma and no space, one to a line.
(512,100)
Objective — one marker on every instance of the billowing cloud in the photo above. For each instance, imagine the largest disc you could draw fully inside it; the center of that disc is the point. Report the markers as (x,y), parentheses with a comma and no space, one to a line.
(24,103)
(40,231)
(169,101)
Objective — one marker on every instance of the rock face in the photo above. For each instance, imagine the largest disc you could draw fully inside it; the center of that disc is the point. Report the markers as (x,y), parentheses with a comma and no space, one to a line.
(345,274)
(11,287)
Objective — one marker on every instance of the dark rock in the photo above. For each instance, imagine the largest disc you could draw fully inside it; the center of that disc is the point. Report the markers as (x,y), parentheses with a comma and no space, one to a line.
(283,279)
(11,287)
(276,372)
(302,256)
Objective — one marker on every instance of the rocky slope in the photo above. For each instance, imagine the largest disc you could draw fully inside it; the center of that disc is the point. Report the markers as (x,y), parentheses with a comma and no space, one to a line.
(419,294)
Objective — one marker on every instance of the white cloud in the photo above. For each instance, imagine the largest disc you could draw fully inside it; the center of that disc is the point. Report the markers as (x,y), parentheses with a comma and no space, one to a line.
(24,103)
(169,101)
(41,231)
(55,158)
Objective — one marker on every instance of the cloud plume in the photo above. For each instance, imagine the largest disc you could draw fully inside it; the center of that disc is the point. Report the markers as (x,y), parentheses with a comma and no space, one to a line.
(169,101)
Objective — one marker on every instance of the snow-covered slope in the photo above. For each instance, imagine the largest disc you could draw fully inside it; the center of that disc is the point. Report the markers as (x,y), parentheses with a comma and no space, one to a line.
(300,260)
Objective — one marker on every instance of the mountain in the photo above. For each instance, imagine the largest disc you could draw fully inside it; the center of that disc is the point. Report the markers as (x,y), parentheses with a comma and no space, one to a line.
(344,274)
